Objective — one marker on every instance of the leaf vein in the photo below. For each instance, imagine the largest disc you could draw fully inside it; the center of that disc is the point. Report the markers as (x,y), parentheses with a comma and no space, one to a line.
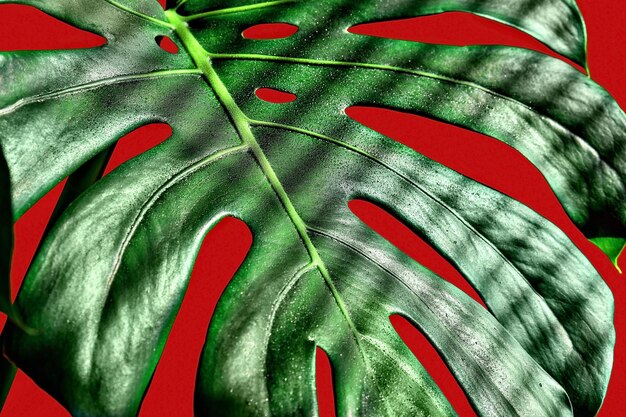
(93,85)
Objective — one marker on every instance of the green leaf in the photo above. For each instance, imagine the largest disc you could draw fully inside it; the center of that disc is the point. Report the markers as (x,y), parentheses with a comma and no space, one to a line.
(109,278)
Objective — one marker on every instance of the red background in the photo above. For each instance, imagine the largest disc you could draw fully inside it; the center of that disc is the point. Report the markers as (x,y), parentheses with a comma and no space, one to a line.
(474,155)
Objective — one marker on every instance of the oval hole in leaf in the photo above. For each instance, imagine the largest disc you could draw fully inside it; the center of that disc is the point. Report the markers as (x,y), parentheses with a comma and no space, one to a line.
(272,95)
(166,44)
(39,31)
(480,157)
(137,142)
(265,31)
(402,237)
(428,356)
(469,29)
(324,384)
(223,250)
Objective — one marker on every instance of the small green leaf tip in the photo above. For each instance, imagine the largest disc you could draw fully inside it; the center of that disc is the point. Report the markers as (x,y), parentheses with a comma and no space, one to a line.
(612,247)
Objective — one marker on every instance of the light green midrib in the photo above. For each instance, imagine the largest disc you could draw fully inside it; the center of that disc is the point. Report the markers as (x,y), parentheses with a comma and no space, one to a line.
(242,125)
(331,63)
(400,175)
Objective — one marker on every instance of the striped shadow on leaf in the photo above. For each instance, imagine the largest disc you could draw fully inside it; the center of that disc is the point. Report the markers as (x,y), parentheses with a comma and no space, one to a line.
(110,276)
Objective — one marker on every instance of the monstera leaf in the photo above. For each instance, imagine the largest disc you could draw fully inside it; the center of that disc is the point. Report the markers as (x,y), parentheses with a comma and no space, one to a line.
(108,280)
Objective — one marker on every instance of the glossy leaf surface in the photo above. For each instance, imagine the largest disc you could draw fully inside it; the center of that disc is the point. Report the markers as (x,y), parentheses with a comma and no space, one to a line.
(109,278)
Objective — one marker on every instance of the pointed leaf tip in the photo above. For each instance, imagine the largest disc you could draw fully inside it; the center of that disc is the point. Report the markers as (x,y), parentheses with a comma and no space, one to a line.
(612,247)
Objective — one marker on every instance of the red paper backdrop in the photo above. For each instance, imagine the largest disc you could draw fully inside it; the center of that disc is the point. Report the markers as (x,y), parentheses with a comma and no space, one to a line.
(479,157)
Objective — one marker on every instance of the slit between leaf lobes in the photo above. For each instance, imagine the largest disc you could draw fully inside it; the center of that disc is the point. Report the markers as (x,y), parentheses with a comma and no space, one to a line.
(242,125)
(270,31)
(272,95)
(166,44)
(324,384)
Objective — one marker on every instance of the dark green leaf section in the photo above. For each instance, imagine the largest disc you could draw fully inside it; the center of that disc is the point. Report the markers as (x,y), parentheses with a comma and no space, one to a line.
(7,375)
(109,278)
(7,370)
(6,237)
(557,23)
(465,222)
(498,91)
